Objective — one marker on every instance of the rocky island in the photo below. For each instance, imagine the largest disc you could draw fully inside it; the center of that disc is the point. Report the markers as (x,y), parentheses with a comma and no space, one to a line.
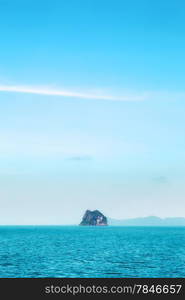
(93,218)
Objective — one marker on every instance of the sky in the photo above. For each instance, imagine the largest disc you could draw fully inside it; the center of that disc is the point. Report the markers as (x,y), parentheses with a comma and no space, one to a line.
(92,109)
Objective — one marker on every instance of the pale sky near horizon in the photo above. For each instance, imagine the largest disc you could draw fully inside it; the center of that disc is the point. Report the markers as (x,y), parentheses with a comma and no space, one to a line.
(92,109)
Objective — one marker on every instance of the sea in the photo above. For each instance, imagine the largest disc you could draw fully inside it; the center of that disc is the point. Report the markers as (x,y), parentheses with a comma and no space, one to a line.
(92,252)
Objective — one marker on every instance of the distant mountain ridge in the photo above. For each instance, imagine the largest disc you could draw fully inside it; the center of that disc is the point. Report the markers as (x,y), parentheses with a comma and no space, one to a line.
(148,221)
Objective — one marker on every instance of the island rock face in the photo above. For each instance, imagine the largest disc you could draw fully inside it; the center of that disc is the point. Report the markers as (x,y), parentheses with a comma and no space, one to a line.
(93,218)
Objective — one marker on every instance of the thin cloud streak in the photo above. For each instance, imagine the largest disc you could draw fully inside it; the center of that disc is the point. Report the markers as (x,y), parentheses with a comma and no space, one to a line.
(80,158)
(63,93)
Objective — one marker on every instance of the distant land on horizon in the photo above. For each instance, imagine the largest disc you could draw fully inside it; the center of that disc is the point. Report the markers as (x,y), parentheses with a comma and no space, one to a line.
(148,221)
(140,221)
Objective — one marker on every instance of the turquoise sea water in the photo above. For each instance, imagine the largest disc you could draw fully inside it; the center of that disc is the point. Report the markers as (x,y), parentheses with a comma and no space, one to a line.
(72,251)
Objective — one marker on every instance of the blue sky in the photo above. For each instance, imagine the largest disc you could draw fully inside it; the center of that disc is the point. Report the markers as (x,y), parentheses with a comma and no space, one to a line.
(92,104)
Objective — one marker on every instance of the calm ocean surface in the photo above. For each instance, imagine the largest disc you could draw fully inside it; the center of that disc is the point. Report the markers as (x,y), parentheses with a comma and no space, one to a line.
(72,251)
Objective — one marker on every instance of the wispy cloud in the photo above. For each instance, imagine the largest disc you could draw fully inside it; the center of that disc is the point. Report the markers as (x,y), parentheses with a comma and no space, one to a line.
(80,158)
(96,95)
(161,180)
(64,93)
